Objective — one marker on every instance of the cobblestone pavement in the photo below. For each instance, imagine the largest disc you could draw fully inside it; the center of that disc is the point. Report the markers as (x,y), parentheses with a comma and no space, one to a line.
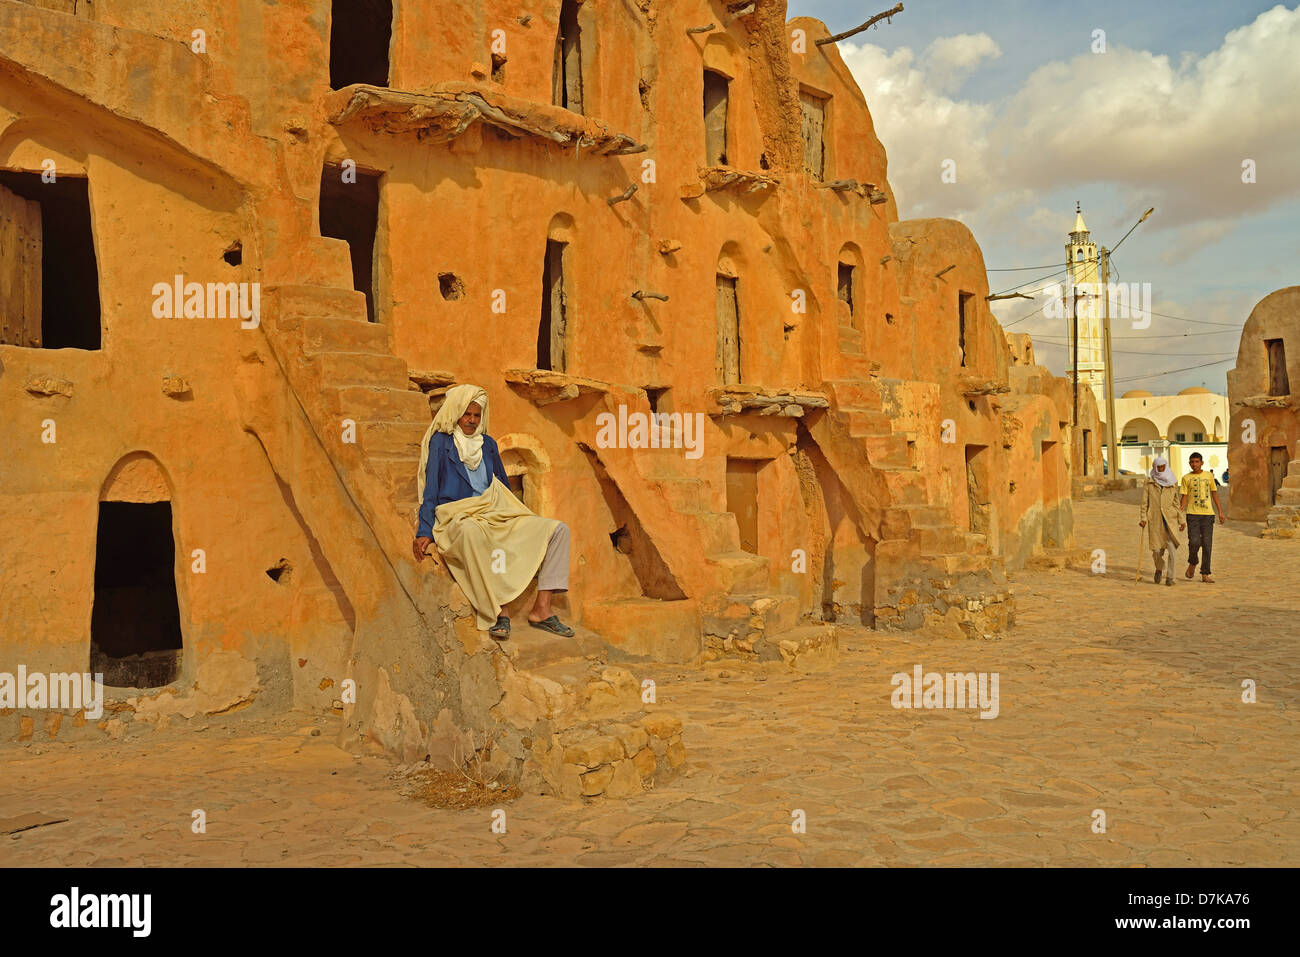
(1113,695)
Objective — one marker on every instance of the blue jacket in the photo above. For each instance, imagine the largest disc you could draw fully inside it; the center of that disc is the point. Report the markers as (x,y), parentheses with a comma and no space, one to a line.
(446,480)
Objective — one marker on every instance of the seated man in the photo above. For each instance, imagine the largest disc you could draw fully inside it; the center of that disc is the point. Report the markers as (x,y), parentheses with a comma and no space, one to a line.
(491,543)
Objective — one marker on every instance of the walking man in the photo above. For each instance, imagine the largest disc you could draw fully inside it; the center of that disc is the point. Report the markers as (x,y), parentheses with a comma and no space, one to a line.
(1160,509)
(1200,501)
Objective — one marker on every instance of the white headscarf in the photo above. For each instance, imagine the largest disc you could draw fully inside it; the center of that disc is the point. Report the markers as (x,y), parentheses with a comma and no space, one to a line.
(1165,478)
(468,447)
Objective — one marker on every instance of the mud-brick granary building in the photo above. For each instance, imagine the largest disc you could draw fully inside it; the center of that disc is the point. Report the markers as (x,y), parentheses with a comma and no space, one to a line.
(610,206)
(1264,402)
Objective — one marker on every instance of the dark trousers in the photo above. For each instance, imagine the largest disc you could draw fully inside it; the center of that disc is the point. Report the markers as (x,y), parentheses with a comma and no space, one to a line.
(1200,537)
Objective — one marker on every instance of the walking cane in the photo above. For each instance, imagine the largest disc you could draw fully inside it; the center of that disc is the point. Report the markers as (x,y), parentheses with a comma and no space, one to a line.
(1142,534)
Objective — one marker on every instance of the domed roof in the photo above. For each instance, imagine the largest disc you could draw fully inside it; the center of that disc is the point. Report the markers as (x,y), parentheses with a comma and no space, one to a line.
(1195,390)
(1136,394)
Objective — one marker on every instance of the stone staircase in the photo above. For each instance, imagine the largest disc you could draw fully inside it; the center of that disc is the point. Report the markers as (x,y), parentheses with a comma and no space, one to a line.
(737,614)
(580,719)
(938,573)
(360,381)
(1283,519)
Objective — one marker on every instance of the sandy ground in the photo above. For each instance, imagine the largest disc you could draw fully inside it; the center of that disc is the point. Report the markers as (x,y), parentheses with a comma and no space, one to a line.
(1113,696)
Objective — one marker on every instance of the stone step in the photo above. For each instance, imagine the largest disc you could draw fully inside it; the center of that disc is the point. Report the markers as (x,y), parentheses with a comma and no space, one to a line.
(343,335)
(1288,496)
(959,563)
(573,691)
(395,439)
(687,494)
(926,514)
(854,393)
(530,648)
(887,450)
(398,473)
(1292,479)
(289,302)
(806,649)
(1282,518)
(864,422)
(647,627)
(906,485)
(719,533)
(361,368)
(941,539)
(750,616)
(741,572)
(362,403)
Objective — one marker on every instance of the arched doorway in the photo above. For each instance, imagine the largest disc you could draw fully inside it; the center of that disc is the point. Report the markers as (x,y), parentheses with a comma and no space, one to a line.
(135,626)
(1186,428)
(1138,432)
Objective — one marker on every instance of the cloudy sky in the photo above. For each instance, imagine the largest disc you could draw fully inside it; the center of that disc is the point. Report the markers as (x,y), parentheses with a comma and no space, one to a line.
(1034,120)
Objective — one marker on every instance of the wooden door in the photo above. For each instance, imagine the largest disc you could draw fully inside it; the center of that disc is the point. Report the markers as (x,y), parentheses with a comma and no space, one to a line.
(728,352)
(812,110)
(1277,463)
(1278,382)
(20,270)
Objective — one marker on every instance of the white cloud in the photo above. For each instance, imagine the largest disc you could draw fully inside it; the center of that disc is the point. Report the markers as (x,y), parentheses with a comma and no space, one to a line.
(1170,135)
(921,127)
(948,61)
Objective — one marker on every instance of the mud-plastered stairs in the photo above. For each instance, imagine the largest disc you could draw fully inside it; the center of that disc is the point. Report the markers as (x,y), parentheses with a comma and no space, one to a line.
(947,576)
(739,616)
(1283,519)
(365,393)
(588,726)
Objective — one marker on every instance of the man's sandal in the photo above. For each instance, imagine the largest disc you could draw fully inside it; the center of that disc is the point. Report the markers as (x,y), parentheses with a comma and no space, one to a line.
(1208,579)
(501,630)
(554,626)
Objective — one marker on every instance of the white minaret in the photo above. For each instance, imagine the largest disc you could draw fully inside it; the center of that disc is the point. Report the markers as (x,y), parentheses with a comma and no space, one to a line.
(1081,255)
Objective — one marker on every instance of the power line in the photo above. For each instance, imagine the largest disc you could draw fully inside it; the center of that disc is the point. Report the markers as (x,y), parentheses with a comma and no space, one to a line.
(1203,322)
(1021,268)
(1130,352)
(1029,282)
(1024,317)
(1156,375)
(1170,335)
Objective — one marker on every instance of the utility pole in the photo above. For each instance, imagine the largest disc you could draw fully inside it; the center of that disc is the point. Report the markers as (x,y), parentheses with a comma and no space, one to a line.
(1104,257)
(1074,339)
(1113,447)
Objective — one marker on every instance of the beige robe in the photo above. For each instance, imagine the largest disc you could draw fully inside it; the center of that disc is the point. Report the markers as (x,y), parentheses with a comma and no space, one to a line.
(493,546)
(1159,501)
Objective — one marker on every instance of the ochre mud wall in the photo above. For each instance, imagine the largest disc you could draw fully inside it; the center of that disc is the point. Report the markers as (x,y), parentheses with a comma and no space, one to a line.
(1264,408)
(864,455)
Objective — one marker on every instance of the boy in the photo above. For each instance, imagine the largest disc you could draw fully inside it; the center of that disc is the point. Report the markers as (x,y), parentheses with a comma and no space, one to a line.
(1199,490)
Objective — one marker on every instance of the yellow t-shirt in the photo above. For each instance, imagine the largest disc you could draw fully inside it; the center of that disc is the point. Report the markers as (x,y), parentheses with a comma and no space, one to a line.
(1197,487)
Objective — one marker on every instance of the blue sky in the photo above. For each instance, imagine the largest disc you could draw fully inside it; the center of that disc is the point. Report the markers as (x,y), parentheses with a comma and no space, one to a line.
(1035,119)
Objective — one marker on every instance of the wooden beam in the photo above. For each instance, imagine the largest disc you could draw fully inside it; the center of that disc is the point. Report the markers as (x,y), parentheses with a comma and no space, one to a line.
(621,197)
(897,8)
